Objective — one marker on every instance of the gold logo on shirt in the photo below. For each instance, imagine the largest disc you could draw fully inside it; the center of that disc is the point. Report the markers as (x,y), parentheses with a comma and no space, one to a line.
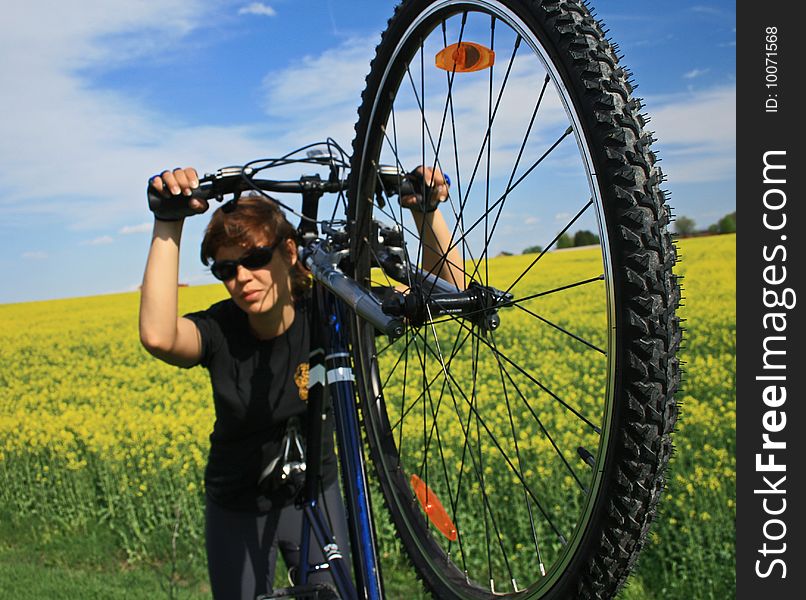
(301,379)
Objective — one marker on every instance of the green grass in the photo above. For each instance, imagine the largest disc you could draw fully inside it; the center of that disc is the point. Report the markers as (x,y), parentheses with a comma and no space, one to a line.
(41,561)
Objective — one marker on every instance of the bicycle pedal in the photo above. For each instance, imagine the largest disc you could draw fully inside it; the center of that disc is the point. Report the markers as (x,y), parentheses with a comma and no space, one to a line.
(310,591)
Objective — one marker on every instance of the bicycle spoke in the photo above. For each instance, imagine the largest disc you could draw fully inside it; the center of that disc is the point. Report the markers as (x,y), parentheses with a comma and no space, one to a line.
(434,147)
(518,456)
(518,301)
(403,354)
(491,120)
(423,126)
(426,133)
(554,241)
(562,288)
(498,355)
(436,163)
(399,206)
(405,412)
(532,379)
(414,234)
(560,329)
(537,420)
(452,500)
(485,258)
(474,408)
(417,235)
(459,217)
(478,469)
(509,190)
(465,431)
(444,369)
(448,100)
(486,508)
(515,166)
(481,422)
(402,405)
(434,426)
(484,146)
(382,351)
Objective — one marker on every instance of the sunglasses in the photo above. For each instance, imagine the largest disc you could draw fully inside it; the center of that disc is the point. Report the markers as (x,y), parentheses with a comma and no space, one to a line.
(256,258)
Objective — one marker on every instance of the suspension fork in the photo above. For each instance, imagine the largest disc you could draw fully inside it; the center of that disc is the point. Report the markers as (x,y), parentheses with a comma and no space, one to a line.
(331,365)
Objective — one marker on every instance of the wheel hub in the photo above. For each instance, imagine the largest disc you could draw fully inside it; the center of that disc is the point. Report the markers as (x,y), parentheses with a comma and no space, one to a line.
(478,303)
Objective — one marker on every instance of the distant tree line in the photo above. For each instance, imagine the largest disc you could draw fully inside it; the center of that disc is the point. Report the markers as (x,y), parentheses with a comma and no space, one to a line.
(686,227)
(582,237)
(683,226)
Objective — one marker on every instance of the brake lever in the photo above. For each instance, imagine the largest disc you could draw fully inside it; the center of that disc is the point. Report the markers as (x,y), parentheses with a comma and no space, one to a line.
(227,180)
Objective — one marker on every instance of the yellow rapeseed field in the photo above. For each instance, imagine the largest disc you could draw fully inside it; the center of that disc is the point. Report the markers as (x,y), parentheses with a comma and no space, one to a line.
(92,428)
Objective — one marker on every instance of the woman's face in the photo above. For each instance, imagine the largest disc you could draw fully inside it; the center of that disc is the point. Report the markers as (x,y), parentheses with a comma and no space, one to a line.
(260,290)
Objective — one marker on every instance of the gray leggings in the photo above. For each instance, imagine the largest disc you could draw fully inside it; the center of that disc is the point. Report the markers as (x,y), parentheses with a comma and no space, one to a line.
(242,546)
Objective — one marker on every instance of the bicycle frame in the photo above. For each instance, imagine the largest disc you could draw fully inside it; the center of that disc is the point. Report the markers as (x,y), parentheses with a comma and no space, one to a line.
(330,368)
(331,375)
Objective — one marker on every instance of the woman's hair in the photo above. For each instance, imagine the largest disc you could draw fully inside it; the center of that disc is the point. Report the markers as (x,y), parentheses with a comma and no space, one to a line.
(253,220)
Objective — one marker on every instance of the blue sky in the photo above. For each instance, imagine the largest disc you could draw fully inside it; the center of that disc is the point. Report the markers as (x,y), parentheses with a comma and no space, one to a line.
(96,100)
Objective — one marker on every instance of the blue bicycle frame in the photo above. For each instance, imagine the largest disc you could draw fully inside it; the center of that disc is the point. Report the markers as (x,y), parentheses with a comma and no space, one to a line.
(331,376)
(331,368)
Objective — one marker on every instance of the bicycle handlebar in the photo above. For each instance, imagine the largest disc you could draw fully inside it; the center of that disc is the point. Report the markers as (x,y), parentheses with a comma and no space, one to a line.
(232,180)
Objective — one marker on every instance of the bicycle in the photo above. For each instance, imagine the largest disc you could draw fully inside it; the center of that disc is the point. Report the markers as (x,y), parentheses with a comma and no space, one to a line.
(518,418)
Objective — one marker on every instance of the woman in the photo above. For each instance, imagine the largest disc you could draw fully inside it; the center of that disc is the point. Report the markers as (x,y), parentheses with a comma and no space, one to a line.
(255,346)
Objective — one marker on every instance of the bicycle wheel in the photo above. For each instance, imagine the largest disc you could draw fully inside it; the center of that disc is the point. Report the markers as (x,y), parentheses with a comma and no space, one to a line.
(520,451)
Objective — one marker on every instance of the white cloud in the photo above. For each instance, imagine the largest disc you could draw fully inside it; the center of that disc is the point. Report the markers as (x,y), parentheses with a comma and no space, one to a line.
(318,95)
(104,240)
(258,8)
(96,146)
(695,73)
(316,83)
(66,37)
(141,228)
(708,10)
(696,134)
(35,255)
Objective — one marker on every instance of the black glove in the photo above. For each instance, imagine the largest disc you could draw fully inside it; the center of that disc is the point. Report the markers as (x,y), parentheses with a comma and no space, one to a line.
(427,196)
(172,208)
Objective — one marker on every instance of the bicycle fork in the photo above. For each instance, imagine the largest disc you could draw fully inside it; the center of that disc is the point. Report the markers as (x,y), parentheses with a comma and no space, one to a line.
(330,366)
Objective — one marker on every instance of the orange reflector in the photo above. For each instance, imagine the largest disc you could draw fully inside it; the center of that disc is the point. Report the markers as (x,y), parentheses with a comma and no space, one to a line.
(465,57)
(433,508)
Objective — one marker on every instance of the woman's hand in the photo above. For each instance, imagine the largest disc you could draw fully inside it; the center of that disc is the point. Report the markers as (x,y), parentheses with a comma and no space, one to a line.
(179,181)
(440,254)
(434,181)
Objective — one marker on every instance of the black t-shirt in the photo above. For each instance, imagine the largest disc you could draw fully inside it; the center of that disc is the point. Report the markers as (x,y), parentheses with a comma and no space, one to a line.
(257,386)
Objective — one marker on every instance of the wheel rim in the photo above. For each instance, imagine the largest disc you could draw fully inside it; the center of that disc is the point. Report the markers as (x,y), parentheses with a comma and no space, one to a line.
(515,483)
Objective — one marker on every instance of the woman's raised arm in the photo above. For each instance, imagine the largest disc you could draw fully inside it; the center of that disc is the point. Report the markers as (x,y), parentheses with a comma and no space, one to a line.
(163,333)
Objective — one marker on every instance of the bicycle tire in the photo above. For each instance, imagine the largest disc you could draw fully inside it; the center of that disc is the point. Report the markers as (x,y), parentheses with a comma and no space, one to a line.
(591,529)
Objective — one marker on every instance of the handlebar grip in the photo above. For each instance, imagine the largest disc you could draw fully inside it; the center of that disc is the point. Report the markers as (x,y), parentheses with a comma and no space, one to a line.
(175,207)
(407,189)
(414,185)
